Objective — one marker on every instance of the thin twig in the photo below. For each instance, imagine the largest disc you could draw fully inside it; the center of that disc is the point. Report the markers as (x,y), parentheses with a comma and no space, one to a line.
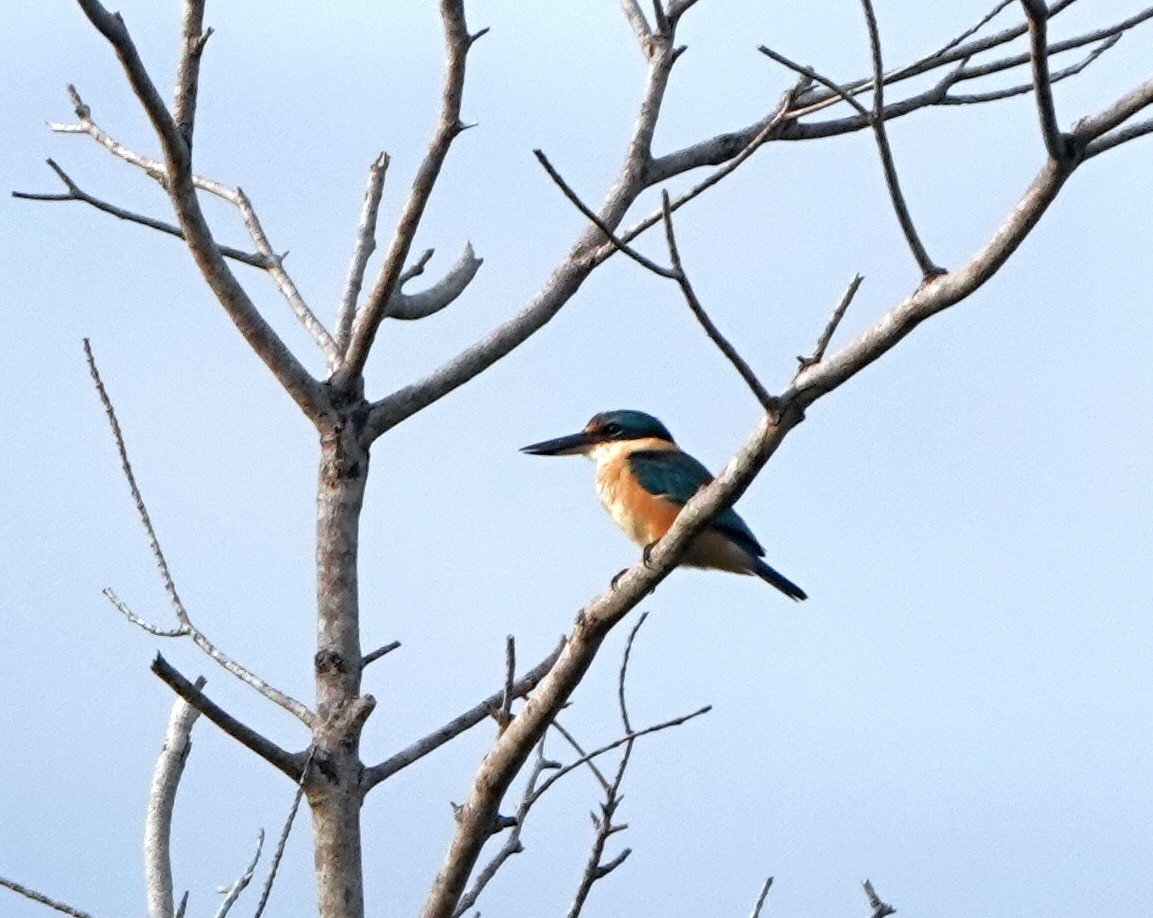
(29,893)
(1037,14)
(951,44)
(822,344)
(880,909)
(273,694)
(768,401)
(161,803)
(233,890)
(362,250)
(378,653)
(186,627)
(284,282)
(928,268)
(844,92)
(281,759)
(159,171)
(582,752)
(608,747)
(458,725)
(595,868)
(1055,76)
(512,844)
(760,903)
(266,891)
(597,221)
(137,498)
(76,193)
(504,715)
(667,166)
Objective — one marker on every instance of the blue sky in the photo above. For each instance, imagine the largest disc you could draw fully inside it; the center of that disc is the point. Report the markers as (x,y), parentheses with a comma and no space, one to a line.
(960,712)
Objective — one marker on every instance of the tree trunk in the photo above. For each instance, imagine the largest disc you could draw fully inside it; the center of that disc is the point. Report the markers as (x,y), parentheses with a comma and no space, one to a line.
(334,783)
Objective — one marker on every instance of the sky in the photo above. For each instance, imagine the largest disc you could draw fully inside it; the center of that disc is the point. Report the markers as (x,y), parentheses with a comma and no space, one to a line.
(961,710)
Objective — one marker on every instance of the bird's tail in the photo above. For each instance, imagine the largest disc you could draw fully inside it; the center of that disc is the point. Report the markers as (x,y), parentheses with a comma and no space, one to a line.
(782,583)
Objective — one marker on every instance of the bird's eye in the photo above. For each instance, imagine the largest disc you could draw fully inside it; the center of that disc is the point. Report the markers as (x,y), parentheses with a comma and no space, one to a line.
(612,429)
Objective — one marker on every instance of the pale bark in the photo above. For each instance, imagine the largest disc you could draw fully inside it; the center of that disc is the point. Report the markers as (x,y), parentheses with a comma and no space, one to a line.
(334,785)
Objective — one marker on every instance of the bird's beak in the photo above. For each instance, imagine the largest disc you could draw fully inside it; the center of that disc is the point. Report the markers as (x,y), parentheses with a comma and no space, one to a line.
(573,444)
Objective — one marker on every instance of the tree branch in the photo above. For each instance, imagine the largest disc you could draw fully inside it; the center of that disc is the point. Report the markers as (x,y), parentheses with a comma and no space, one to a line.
(458,725)
(282,842)
(880,909)
(760,903)
(633,177)
(449,125)
(1055,76)
(768,402)
(161,802)
(1109,141)
(35,896)
(305,390)
(1093,126)
(291,764)
(410,306)
(504,713)
(1037,14)
(512,844)
(616,744)
(593,623)
(186,627)
(193,38)
(362,251)
(640,25)
(379,652)
(877,118)
(76,193)
(232,891)
(595,868)
(822,344)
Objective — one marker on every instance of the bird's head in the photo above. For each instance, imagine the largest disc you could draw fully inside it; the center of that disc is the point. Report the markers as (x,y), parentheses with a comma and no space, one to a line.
(608,427)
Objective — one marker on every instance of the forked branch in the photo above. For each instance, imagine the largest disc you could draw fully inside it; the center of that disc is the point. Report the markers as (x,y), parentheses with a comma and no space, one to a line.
(181,188)
(76,193)
(449,126)
(185,626)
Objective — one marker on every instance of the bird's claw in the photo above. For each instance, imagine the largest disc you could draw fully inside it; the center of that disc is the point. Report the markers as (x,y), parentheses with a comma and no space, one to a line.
(647,553)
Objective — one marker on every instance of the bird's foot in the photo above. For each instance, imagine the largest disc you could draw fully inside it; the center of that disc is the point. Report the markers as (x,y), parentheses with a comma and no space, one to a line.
(613,583)
(647,553)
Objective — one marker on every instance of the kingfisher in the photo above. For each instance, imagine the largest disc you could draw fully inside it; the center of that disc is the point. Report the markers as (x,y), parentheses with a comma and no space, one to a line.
(643,479)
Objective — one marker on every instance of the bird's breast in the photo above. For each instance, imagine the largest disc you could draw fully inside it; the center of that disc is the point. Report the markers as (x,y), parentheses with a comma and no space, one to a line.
(643,516)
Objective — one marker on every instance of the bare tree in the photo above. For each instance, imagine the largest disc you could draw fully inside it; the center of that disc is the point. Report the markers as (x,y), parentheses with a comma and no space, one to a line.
(348,420)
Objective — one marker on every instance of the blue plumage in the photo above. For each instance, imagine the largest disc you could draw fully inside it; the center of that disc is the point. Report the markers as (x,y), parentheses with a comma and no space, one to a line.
(677,476)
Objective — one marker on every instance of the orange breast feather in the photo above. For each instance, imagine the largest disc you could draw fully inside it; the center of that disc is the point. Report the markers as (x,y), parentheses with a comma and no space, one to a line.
(643,516)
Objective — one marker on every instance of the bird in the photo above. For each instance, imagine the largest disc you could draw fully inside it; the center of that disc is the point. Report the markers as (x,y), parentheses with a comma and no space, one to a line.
(643,479)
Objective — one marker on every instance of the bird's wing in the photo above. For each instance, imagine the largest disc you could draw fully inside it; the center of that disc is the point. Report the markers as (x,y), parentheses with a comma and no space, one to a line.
(677,476)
